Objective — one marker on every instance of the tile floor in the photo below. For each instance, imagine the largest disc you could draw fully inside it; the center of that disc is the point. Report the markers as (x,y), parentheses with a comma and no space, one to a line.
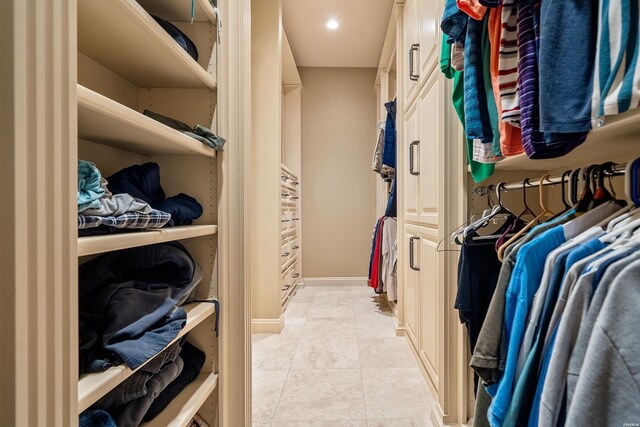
(337,363)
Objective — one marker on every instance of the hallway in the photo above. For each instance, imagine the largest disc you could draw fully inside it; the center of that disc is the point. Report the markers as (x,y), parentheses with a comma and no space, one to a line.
(337,363)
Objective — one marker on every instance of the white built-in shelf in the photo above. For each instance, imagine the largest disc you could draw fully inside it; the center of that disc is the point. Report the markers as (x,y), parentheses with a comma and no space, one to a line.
(90,245)
(93,386)
(103,120)
(123,37)
(187,404)
(180,10)
(613,142)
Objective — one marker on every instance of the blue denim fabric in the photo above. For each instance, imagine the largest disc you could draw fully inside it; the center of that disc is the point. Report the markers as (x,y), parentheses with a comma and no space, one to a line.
(143,182)
(134,387)
(131,414)
(127,301)
(193,360)
(389,150)
(96,418)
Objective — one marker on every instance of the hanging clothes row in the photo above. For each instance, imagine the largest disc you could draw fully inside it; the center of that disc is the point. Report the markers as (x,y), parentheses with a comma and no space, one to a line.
(383,260)
(536,77)
(551,327)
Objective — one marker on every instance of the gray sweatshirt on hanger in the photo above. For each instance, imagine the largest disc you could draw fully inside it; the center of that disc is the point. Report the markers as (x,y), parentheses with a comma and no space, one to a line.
(586,329)
(608,390)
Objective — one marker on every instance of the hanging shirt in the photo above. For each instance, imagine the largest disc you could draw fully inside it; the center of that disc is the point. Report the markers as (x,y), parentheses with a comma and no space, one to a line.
(389,151)
(566,64)
(389,256)
(611,361)
(510,136)
(537,145)
(375,267)
(508,63)
(454,22)
(522,287)
(479,171)
(602,283)
(473,8)
(476,113)
(616,85)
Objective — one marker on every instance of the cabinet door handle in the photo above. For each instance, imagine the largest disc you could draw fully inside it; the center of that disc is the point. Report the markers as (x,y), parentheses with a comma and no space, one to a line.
(412,171)
(414,48)
(411,253)
(286,254)
(296,275)
(296,247)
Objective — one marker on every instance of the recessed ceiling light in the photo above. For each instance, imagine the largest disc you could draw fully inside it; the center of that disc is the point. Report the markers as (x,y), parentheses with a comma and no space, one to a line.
(332,24)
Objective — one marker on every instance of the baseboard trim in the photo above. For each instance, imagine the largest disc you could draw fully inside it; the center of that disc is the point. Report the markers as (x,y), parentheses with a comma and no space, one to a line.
(335,281)
(267,326)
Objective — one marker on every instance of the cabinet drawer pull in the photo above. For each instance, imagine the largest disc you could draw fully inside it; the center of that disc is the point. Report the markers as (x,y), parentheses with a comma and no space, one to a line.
(412,171)
(295,197)
(285,220)
(412,75)
(296,247)
(296,275)
(411,253)
(286,254)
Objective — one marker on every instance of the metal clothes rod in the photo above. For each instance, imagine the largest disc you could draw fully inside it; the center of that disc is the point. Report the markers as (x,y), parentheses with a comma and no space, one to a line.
(616,170)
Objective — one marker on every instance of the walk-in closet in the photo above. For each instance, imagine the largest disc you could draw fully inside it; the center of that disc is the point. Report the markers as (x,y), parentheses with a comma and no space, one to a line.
(347,213)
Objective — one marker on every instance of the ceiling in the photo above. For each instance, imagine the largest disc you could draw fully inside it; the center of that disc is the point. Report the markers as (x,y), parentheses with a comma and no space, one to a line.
(357,43)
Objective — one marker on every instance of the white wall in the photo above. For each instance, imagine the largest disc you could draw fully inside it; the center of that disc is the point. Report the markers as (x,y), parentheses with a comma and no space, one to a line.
(338,138)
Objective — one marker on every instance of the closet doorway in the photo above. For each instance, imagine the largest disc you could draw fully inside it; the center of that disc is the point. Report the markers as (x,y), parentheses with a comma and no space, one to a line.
(327,346)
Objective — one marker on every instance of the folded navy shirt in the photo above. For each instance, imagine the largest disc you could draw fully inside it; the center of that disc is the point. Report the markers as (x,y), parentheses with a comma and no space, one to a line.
(143,182)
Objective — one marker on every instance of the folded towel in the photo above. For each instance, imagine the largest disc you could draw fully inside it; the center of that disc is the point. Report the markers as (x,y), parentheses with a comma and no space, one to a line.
(90,187)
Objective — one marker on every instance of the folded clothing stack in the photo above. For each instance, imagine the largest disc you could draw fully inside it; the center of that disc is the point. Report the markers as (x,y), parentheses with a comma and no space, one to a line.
(129,304)
(100,211)
(131,199)
(145,394)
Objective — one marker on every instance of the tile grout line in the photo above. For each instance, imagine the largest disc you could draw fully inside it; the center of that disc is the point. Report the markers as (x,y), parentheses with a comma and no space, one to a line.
(290,365)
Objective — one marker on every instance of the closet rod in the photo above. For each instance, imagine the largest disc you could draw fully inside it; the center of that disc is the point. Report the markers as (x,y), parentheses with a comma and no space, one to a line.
(615,170)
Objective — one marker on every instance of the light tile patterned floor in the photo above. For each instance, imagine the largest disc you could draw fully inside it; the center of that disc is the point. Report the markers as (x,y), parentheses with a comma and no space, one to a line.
(337,363)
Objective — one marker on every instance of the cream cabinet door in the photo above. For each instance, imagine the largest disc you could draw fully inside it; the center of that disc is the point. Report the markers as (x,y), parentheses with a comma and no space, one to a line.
(428,36)
(410,296)
(411,165)
(429,312)
(411,51)
(429,136)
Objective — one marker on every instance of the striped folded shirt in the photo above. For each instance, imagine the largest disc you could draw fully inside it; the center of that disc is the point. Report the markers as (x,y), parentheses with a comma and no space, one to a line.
(129,220)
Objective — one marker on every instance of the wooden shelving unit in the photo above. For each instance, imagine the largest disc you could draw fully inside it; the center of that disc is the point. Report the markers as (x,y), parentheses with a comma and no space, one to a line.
(92,387)
(145,55)
(112,242)
(180,10)
(610,142)
(131,58)
(103,120)
(186,404)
